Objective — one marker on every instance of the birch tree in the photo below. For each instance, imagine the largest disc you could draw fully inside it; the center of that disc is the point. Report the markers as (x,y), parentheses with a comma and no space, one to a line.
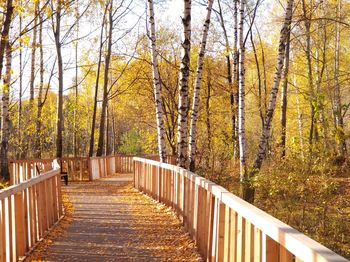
(5,46)
(197,87)
(337,106)
(274,90)
(241,103)
(5,33)
(5,120)
(183,85)
(156,84)
(283,116)
(235,79)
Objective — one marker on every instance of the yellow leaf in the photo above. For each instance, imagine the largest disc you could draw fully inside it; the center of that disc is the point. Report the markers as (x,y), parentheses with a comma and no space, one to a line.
(48,11)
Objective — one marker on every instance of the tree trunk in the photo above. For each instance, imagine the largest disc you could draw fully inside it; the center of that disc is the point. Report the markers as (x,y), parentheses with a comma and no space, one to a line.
(259,80)
(245,187)
(273,94)
(337,107)
(207,119)
(313,129)
(59,123)
(34,46)
(93,123)
(5,131)
(19,118)
(5,33)
(234,91)
(283,117)
(109,134)
(156,85)
(197,87)
(75,145)
(5,46)
(41,86)
(300,118)
(105,84)
(183,86)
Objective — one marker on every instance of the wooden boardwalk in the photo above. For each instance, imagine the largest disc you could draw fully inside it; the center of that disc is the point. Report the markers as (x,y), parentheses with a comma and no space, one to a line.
(112,221)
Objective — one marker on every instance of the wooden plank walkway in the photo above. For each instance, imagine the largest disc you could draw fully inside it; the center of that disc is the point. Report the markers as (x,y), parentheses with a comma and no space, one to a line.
(112,221)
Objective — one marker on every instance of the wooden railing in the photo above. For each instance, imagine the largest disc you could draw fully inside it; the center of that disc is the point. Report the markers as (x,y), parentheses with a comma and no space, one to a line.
(78,168)
(27,211)
(225,227)
(21,170)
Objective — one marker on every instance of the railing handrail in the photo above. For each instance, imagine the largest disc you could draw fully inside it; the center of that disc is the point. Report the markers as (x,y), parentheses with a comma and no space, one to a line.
(294,241)
(11,190)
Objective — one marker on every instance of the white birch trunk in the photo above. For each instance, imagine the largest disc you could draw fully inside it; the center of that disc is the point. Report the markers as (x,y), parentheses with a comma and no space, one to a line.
(197,87)
(234,91)
(183,85)
(5,120)
(337,109)
(245,187)
(156,84)
(5,47)
(241,95)
(273,95)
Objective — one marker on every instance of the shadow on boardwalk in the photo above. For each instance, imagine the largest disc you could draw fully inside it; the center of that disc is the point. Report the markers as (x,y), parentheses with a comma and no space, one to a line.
(112,221)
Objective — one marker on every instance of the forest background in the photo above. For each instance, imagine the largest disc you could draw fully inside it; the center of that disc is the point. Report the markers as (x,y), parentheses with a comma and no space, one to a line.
(59,53)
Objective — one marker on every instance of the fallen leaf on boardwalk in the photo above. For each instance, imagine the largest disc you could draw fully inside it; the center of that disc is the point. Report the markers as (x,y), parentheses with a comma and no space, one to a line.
(122,223)
(39,252)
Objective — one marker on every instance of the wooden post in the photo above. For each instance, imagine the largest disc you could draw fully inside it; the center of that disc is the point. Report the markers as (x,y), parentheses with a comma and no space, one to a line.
(19,226)
(241,238)
(81,169)
(272,249)
(2,231)
(90,168)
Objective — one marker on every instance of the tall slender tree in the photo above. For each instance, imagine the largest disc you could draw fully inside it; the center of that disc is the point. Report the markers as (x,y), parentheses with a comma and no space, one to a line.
(313,134)
(33,58)
(5,33)
(20,91)
(183,85)
(273,95)
(241,103)
(156,83)
(58,45)
(40,91)
(94,113)
(337,106)
(76,42)
(105,82)
(5,47)
(197,87)
(283,115)
(234,96)
(5,120)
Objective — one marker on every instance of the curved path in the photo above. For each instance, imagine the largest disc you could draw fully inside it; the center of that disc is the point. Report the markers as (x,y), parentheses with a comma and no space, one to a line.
(112,221)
